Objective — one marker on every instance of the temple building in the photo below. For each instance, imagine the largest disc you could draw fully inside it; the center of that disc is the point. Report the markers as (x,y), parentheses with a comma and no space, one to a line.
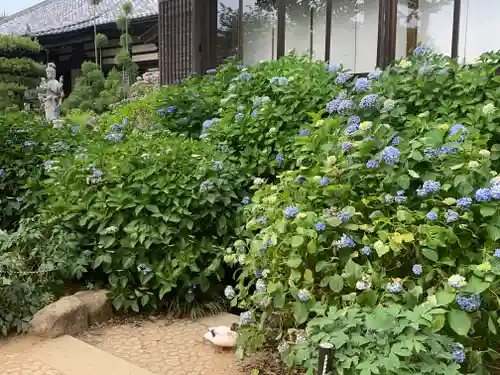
(184,36)
(65,30)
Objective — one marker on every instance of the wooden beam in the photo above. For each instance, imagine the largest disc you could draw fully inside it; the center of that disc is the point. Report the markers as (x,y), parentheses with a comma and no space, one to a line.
(412,21)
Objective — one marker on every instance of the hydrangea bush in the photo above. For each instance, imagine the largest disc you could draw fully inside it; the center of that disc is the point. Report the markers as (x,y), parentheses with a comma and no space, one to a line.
(396,205)
(154,209)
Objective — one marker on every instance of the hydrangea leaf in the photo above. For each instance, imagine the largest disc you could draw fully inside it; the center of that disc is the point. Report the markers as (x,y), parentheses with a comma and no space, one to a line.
(460,322)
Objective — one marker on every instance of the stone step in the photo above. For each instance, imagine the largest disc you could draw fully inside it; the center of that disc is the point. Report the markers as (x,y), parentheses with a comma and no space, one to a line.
(71,356)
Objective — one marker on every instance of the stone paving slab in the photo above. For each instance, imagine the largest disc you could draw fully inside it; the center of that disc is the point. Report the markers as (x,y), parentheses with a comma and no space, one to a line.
(74,357)
(166,347)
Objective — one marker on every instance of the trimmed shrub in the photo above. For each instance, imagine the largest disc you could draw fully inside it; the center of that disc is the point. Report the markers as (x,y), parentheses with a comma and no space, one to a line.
(19,73)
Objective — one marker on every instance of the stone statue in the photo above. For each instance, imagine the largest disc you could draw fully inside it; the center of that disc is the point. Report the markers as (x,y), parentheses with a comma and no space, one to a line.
(50,93)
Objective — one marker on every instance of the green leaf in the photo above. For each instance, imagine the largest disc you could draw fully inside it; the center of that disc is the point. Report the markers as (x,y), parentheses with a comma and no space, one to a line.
(404,182)
(113,280)
(438,321)
(450,201)
(97,261)
(294,261)
(444,297)
(487,211)
(297,241)
(300,312)
(135,306)
(413,174)
(460,322)
(118,302)
(491,325)
(154,209)
(336,283)
(381,248)
(308,276)
(144,299)
(430,254)
(128,262)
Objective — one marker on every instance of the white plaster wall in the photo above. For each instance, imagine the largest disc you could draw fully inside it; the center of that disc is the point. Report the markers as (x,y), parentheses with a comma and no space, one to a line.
(435,21)
(259,33)
(479,28)
(354,33)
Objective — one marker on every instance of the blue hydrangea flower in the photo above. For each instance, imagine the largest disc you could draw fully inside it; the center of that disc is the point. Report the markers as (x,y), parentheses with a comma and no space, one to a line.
(206,185)
(419,50)
(171,109)
(29,144)
(144,269)
(400,199)
(496,254)
(366,250)
(279,158)
(432,216)
(324,181)
(291,212)
(371,164)
(369,101)
(333,68)
(451,216)
(300,179)
(346,241)
(262,220)
(430,153)
(344,216)
(394,288)
(346,146)
(75,129)
(241,108)
(246,318)
(303,295)
(2,172)
(245,200)
(483,195)
(417,269)
(265,246)
(354,120)
(429,187)
(115,137)
(495,191)
(211,71)
(468,302)
(362,84)
(344,106)
(375,75)
(459,130)
(254,113)
(458,356)
(343,78)
(390,155)
(245,76)
(239,116)
(320,226)
(445,150)
(388,198)
(218,165)
(280,81)
(258,273)
(304,132)
(395,141)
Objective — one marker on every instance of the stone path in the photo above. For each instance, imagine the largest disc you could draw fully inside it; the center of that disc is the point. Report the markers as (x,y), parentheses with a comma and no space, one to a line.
(160,347)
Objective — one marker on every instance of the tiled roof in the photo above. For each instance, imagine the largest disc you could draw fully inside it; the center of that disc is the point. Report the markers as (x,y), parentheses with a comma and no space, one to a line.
(59,16)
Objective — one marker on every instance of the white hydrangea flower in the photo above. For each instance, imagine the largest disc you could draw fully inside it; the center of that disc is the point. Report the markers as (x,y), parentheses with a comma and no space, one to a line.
(457,281)
(242,259)
(489,108)
(229,292)
(258,181)
(405,64)
(474,164)
(484,153)
(389,104)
